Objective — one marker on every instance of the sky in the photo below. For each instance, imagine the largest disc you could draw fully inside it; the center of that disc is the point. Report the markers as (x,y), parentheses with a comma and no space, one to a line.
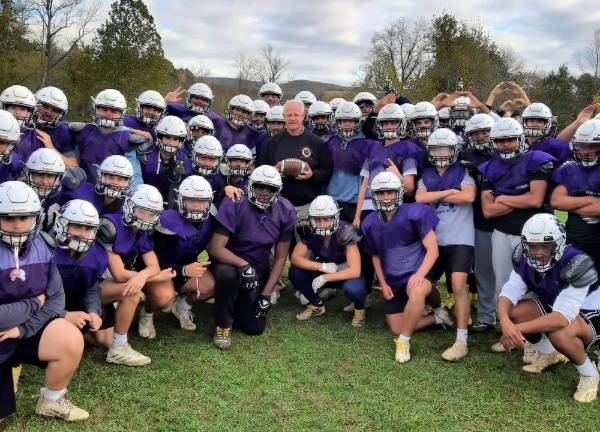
(327,40)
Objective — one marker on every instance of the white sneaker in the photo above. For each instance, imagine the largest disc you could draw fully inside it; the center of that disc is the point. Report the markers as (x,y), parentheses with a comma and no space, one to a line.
(60,408)
(456,351)
(126,355)
(544,361)
(587,389)
(146,325)
(275,295)
(402,350)
(185,317)
(530,353)
(498,348)
(445,316)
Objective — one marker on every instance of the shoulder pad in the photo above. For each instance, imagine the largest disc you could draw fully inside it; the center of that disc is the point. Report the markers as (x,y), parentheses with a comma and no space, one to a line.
(48,239)
(77,126)
(303,229)
(106,232)
(516,256)
(546,167)
(348,235)
(74,177)
(579,271)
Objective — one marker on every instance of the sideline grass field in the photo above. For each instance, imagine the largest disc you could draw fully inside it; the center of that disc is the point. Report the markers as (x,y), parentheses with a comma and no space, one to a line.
(316,375)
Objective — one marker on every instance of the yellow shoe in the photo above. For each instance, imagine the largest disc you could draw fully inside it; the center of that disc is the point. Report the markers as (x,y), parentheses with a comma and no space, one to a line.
(61,408)
(222,339)
(358,320)
(456,351)
(473,298)
(544,361)
(402,350)
(310,311)
(587,389)
(16,373)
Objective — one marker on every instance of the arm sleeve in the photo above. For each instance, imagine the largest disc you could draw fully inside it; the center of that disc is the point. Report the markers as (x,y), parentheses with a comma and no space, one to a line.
(569,301)
(91,299)
(514,289)
(14,314)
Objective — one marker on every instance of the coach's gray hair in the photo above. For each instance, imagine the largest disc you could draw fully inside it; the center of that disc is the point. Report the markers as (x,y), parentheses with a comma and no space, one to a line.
(291,102)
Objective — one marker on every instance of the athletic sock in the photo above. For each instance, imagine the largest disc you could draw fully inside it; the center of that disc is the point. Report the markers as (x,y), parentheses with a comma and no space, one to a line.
(462,334)
(53,395)
(404,338)
(183,304)
(545,346)
(587,368)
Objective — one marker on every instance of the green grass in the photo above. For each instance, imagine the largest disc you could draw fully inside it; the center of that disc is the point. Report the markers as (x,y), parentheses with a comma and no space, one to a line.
(315,375)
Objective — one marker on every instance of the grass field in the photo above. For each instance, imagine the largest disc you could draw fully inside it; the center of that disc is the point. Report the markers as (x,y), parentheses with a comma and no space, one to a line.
(315,375)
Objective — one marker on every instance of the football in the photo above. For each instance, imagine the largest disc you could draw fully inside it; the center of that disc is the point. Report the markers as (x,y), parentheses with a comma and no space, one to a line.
(292,167)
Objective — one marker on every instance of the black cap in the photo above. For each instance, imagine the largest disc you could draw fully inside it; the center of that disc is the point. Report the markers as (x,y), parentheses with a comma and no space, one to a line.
(402,100)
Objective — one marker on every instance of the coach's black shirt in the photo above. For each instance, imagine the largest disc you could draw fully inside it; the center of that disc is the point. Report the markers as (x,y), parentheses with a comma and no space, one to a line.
(307,147)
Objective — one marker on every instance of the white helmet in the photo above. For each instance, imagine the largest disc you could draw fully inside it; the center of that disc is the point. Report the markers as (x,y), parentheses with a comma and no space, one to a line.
(387,181)
(77,212)
(348,111)
(461,112)
(109,98)
(209,147)
(270,88)
(586,137)
(365,97)
(171,126)
(264,175)
(20,96)
(539,111)
(241,102)
(200,90)
(423,110)
(320,108)
(150,98)
(55,98)
(148,201)
(306,97)
(442,138)
(444,117)
(194,188)
(10,134)
(479,122)
(260,107)
(274,115)
(324,206)
(543,229)
(597,117)
(201,122)
(508,128)
(115,165)
(44,161)
(391,112)
(408,109)
(335,103)
(18,199)
(238,151)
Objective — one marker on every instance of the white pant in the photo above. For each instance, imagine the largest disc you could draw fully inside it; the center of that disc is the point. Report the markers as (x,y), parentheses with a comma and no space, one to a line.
(503,246)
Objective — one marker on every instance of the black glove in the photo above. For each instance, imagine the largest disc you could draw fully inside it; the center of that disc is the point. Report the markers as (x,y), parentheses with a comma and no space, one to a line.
(176,169)
(262,306)
(249,278)
(74,177)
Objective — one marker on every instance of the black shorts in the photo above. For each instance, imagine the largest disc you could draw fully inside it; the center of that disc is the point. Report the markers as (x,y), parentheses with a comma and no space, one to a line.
(398,302)
(107,315)
(592,318)
(452,259)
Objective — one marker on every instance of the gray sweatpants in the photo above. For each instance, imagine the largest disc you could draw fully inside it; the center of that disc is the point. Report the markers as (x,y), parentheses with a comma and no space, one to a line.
(484,276)
(503,246)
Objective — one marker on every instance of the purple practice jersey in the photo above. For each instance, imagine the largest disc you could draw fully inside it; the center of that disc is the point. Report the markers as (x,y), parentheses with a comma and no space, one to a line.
(229,136)
(398,242)
(398,153)
(12,169)
(163,176)
(471,159)
(87,192)
(252,232)
(178,241)
(186,115)
(121,239)
(554,147)
(451,179)
(61,140)
(333,252)
(133,122)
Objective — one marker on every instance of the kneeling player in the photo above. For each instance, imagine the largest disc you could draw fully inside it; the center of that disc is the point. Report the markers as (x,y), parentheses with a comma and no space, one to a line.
(245,232)
(403,246)
(565,308)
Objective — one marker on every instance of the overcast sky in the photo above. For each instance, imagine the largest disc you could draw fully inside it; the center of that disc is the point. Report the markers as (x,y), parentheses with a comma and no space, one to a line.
(326,40)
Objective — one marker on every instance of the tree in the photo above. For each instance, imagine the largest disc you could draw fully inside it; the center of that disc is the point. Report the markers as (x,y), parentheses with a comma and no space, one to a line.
(270,65)
(244,67)
(56,17)
(557,90)
(589,57)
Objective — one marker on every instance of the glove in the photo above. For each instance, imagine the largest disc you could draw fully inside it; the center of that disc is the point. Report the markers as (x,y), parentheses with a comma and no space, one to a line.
(318,282)
(262,306)
(74,177)
(249,278)
(329,267)
(176,170)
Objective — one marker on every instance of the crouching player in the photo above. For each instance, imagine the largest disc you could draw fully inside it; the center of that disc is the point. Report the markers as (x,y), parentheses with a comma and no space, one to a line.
(402,242)
(245,233)
(565,308)
(31,302)
(327,254)
(178,241)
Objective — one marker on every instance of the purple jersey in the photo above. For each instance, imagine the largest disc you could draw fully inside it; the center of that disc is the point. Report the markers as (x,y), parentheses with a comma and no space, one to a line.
(398,242)
(61,140)
(186,115)
(451,179)
(133,122)
(253,232)
(11,170)
(95,146)
(126,243)
(87,192)
(398,152)
(158,174)
(229,136)
(349,157)
(333,252)
(179,241)
(472,158)
(554,147)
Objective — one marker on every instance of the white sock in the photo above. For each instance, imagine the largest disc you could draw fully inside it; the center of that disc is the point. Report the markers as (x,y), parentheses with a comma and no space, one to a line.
(145,314)
(183,304)
(545,346)
(587,368)
(53,395)
(436,315)
(404,338)
(461,335)
(119,339)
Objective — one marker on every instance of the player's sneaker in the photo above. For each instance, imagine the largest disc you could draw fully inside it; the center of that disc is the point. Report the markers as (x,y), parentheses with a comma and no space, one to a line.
(456,351)
(300,296)
(126,355)
(444,315)
(350,307)
(530,353)
(481,327)
(16,373)
(402,350)
(146,325)
(185,317)
(61,408)
(358,320)
(544,361)
(275,295)
(310,311)
(498,348)
(587,389)
(222,339)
